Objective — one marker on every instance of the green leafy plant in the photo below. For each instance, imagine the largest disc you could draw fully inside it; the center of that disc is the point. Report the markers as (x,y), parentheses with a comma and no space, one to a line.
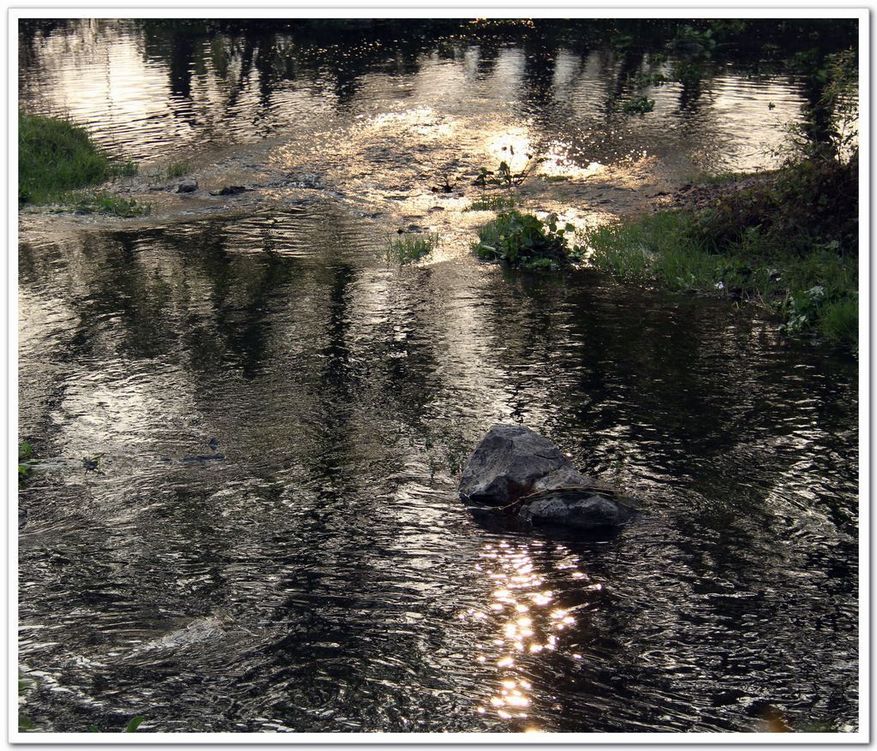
(524,240)
(133,724)
(639,106)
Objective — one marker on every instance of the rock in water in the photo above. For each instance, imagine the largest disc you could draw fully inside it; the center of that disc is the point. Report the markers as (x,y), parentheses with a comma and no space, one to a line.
(188,185)
(512,461)
(515,464)
(575,508)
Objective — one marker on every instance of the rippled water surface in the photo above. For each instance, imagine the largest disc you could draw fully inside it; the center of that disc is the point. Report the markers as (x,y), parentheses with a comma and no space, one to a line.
(271,539)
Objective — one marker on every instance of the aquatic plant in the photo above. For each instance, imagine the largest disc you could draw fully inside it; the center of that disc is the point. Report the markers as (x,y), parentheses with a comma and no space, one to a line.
(524,240)
(408,248)
(639,106)
(55,156)
(505,177)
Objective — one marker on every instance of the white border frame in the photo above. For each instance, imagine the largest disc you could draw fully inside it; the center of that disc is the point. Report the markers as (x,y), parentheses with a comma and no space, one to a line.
(399,9)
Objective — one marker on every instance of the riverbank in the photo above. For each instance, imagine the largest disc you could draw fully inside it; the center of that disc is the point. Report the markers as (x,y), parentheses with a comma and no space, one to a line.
(786,241)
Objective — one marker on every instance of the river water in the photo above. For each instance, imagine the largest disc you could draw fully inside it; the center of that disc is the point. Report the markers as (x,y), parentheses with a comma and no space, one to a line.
(251,426)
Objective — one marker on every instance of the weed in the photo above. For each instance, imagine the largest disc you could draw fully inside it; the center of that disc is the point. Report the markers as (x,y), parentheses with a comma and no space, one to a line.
(524,240)
(107,203)
(504,177)
(492,203)
(177,169)
(410,248)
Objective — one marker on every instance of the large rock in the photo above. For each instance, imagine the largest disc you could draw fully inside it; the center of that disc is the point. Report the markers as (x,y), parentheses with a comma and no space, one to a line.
(506,465)
(516,468)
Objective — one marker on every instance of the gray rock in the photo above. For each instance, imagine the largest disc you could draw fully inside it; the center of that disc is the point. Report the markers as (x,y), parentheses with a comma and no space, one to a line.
(506,465)
(514,464)
(187,185)
(572,509)
(566,476)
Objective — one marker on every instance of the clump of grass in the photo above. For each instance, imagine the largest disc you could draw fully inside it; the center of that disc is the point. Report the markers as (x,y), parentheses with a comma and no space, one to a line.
(788,245)
(177,169)
(107,203)
(492,203)
(408,248)
(55,156)
(525,241)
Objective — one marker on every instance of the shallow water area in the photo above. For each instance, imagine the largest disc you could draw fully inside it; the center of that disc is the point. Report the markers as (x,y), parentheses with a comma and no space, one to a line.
(249,425)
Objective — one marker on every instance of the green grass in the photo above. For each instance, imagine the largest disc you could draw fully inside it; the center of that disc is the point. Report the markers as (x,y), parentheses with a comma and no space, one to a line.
(106,203)
(56,157)
(492,203)
(177,169)
(788,246)
(525,241)
(408,248)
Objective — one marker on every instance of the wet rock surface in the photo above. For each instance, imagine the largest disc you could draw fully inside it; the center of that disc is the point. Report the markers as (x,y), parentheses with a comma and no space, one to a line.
(507,463)
(516,470)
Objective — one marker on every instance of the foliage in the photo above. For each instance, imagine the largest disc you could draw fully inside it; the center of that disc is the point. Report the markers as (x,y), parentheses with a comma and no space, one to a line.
(639,106)
(830,128)
(55,156)
(525,241)
(410,248)
(789,245)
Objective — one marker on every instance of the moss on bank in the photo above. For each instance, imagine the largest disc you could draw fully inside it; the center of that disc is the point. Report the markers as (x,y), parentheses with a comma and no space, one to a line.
(56,159)
(789,243)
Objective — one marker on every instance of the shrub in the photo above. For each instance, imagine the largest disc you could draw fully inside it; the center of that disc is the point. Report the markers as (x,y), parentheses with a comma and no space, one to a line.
(524,240)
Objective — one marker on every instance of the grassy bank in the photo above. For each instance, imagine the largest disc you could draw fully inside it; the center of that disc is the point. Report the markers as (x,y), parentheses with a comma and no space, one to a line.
(57,160)
(788,242)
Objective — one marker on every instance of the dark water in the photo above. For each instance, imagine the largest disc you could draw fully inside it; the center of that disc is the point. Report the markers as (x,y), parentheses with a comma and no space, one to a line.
(314,570)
